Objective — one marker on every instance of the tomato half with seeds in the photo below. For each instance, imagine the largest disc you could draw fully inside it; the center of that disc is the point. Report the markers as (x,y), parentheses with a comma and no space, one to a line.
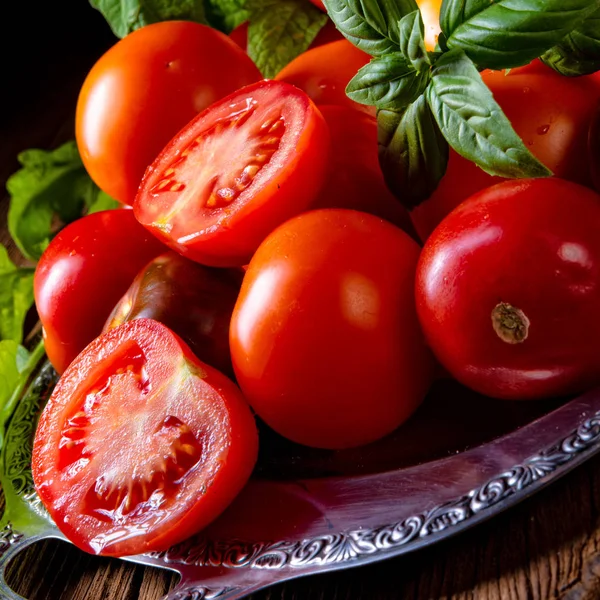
(186,440)
(242,167)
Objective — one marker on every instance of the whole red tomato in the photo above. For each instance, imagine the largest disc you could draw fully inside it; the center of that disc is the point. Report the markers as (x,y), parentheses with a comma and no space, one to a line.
(324,336)
(328,33)
(551,113)
(141,444)
(324,72)
(144,90)
(194,301)
(354,179)
(508,289)
(83,273)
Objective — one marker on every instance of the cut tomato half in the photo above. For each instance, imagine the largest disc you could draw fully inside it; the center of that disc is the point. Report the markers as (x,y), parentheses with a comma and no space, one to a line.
(238,170)
(141,444)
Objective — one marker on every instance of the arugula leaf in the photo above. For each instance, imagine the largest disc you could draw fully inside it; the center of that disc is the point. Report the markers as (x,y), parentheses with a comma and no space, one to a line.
(510,33)
(226,15)
(474,124)
(16,297)
(389,81)
(51,186)
(371,26)
(125,16)
(413,153)
(412,40)
(579,52)
(280,30)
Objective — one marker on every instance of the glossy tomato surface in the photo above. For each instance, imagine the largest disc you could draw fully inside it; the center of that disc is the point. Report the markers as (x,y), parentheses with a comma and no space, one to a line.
(551,113)
(141,444)
(508,289)
(324,72)
(194,301)
(354,179)
(236,172)
(144,90)
(83,273)
(324,336)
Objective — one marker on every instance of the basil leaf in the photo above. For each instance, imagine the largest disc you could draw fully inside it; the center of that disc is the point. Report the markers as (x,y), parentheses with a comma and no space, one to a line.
(226,15)
(280,30)
(579,52)
(16,297)
(474,124)
(413,153)
(50,190)
(97,200)
(387,82)
(13,361)
(125,16)
(412,40)
(510,33)
(372,26)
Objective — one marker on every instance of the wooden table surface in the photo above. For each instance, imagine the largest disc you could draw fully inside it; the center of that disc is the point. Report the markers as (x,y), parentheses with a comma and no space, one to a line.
(547,547)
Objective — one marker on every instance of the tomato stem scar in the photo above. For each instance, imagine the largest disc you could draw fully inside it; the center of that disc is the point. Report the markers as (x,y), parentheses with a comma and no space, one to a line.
(510,323)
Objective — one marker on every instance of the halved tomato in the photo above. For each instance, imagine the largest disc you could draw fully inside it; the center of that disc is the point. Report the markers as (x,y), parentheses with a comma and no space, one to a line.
(141,444)
(234,173)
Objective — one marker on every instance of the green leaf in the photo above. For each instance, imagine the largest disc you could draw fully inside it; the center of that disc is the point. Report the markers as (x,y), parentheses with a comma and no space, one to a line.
(16,297)
(13,361)
(373,26)
(579,52)
(280,30)
(502,34)
(474,124)
(226,15)
(413,153)
(100,200)
(387,82)
(50,190)
(412,40)
(125,16)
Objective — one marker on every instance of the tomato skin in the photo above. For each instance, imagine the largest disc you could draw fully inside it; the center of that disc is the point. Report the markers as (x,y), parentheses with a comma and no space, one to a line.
(530,244)
(319,4)
(82,274)
(195,302)
(355,180)
(285,187)
(324,72)
(144,89)
(328,33)
(552,115)
(215,420)
(335,358)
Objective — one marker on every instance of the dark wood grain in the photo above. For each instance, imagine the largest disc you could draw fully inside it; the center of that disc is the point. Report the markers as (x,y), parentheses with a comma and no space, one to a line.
(547,547)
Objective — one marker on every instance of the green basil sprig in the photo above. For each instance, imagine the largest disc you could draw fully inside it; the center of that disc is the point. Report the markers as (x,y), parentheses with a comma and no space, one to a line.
(579,52)
(510,33)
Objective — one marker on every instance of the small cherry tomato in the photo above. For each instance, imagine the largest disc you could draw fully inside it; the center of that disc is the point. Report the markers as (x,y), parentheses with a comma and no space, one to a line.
(141,444)
(144,90)
(324,336)
(354,179)
(194,301)
(82,274)
(551,113)
(238,170)
(324,72)
(508,290)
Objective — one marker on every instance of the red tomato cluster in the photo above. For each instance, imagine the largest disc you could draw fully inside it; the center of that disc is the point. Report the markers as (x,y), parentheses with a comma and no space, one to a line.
(331,327)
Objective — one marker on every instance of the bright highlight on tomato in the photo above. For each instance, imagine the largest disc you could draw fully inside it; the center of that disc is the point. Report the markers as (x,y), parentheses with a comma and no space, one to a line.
(141,444)
(242,167)
(324,336)
(508,289)
(144,90)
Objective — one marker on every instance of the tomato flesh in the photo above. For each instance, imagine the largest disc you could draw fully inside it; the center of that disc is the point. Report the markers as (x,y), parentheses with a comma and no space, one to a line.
(235,172)
(140,444)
